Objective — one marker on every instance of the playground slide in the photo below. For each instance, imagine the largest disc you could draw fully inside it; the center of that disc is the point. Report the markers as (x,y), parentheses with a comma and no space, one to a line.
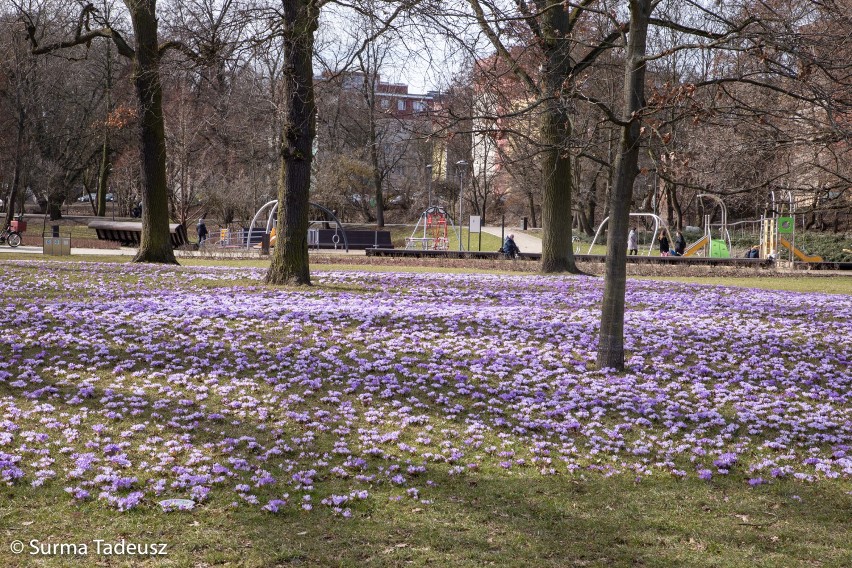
(799,254)
(696,246)
(272,238)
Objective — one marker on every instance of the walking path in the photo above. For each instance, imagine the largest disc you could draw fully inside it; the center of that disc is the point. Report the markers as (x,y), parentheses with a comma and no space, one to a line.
(525,242)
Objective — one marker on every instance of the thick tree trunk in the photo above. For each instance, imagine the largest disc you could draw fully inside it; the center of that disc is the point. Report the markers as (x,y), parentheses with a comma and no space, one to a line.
(556,215)
(155,244)
(611,341)
(290,259)
(16,175)
(556,252)
(54,205)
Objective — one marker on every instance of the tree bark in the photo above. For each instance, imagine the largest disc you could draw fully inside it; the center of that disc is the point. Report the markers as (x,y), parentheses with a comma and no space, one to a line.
(377,173)
(16,175)
(557,255)
(155,244)
(104,170)
(531,202)
(611,340)
(290,258)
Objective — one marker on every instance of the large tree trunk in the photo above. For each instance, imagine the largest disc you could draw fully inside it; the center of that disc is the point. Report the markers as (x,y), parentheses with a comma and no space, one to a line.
(611,342)
(16,175)
(290,259)
(155,244)
(54,204)
(557,255)
(556,252)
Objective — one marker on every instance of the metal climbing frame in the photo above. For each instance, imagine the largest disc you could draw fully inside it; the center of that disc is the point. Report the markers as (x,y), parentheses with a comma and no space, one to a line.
(435,224)
(272,208)
(724,234)
(658,224)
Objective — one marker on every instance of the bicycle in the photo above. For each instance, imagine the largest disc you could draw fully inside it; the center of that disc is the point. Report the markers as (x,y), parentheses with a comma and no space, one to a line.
(13,238)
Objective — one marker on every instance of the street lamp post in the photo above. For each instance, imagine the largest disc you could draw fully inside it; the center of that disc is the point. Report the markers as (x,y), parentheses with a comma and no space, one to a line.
(429,184)
(461,165)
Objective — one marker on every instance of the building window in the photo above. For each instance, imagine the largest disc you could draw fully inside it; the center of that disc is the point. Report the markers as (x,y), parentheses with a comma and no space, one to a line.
(419,106)
(385,103)
(400,104)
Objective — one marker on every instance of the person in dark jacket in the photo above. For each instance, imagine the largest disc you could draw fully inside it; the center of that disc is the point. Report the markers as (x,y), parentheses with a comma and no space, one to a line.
(680,244)
(510,249)
(202,231)
(664,244)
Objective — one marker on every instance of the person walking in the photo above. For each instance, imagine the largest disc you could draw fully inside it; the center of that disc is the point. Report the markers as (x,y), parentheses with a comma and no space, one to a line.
(201,229)
(633,241)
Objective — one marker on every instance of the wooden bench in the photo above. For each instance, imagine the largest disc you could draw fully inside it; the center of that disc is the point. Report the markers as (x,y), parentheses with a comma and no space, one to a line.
(129,233)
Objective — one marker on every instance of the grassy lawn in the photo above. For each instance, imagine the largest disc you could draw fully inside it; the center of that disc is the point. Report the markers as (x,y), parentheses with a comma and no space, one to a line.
(418,418)
(481,521)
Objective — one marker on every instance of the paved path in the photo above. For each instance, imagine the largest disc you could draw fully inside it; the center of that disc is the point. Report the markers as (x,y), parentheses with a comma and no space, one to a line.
(525,242)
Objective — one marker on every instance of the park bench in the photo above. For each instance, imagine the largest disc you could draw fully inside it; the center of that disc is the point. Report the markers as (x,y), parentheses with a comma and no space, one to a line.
(129,233)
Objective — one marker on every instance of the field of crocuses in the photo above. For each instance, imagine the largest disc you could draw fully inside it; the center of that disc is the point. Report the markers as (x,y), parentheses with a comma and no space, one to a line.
(125,385)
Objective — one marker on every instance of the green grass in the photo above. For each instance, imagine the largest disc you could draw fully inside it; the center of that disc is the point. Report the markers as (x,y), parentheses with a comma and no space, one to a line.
(483,521)
(810,283)
(512,518)
(490,243)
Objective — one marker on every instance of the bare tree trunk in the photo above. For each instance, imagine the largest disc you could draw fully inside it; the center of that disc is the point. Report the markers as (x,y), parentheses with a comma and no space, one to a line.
(557,255)
(16,176)
(533,219)
(155,244)
(54,204)
(290,259)
(103,177)
(678,209)
(669,192)
(611,341)
(106,167)
(377,173)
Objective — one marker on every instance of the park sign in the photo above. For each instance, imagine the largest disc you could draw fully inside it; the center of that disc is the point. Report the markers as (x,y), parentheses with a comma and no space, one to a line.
(475,224)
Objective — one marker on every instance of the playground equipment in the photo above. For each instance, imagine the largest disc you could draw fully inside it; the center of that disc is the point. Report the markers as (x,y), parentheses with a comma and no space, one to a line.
(434,233)
(271,208)
(779,222)
(658,224)
(712,248)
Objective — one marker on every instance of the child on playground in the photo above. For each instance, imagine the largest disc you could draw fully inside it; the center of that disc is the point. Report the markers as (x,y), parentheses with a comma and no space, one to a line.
(664,243)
